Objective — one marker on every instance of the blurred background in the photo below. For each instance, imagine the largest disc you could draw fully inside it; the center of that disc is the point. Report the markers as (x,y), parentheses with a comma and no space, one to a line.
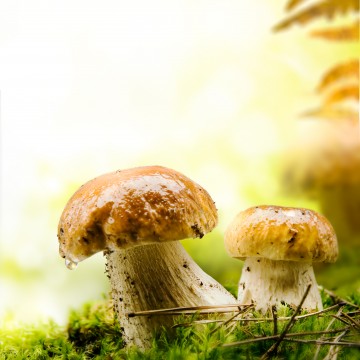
(203,87)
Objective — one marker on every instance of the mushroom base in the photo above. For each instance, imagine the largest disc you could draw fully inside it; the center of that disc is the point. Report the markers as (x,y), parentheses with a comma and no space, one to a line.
(157,276)
(268,282)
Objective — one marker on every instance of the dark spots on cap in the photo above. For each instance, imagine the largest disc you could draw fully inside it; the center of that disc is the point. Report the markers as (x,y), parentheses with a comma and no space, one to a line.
(185,265)
(85,240)
(291,241)
(61,231)
(201,283)
(242,285)
(195,228)
(247,269)
(258,260)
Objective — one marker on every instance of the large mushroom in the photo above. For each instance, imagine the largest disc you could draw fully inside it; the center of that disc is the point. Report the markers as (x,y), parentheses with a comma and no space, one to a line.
(279,245)
(136,217)
(324,165)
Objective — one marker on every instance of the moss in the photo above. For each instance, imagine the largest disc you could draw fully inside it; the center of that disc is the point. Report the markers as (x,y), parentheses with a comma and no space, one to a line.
(94,333)
(94,330)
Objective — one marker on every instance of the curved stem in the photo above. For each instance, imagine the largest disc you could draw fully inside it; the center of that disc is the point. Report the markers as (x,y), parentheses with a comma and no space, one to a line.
(157,276)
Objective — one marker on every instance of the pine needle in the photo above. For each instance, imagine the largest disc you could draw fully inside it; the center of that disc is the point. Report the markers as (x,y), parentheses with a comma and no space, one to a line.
(337,298)
(317,352)
(189,310)
(287,336)
(334,350)
(273,349)
(246,319)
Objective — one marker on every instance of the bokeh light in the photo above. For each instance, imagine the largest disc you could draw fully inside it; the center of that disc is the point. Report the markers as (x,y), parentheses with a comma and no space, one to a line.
(88,87)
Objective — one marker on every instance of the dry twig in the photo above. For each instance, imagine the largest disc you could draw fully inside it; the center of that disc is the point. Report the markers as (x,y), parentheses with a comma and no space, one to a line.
(334,350)
(190,310)
(273,349)
(201,322)
(241,311)
(338,299)
(327,329)
(276,337)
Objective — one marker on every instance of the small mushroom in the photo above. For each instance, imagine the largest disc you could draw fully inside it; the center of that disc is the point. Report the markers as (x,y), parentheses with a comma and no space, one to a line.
(136,217)
(279,245)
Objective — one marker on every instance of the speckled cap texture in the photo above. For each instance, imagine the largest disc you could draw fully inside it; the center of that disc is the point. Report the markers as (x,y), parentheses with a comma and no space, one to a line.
(281,233)
(134,207)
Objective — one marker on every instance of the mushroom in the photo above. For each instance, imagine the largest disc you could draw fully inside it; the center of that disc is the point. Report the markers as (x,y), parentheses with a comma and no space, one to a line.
(324,165)
(136,216)
(279,245)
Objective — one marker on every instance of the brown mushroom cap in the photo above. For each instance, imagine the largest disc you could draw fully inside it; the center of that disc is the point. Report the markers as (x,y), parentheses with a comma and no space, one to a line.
(133,207)
(281,233)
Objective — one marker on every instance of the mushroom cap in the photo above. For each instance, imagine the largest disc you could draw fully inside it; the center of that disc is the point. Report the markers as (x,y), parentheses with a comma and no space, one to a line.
(327,157)
(281,233)
(133,207)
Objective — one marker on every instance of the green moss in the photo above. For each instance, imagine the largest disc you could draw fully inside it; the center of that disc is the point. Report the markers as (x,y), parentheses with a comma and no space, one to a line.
(41,342)
(94,333)
(93,330)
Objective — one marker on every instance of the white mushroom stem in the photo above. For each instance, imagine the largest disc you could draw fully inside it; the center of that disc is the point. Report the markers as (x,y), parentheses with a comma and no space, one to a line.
(157,276)
(270,282)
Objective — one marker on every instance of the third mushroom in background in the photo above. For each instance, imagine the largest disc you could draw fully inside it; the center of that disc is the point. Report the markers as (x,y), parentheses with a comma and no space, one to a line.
(279,245)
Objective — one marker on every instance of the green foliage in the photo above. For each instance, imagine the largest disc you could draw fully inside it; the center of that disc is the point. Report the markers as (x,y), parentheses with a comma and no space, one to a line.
(94,333)
(94,330)
(41,342)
